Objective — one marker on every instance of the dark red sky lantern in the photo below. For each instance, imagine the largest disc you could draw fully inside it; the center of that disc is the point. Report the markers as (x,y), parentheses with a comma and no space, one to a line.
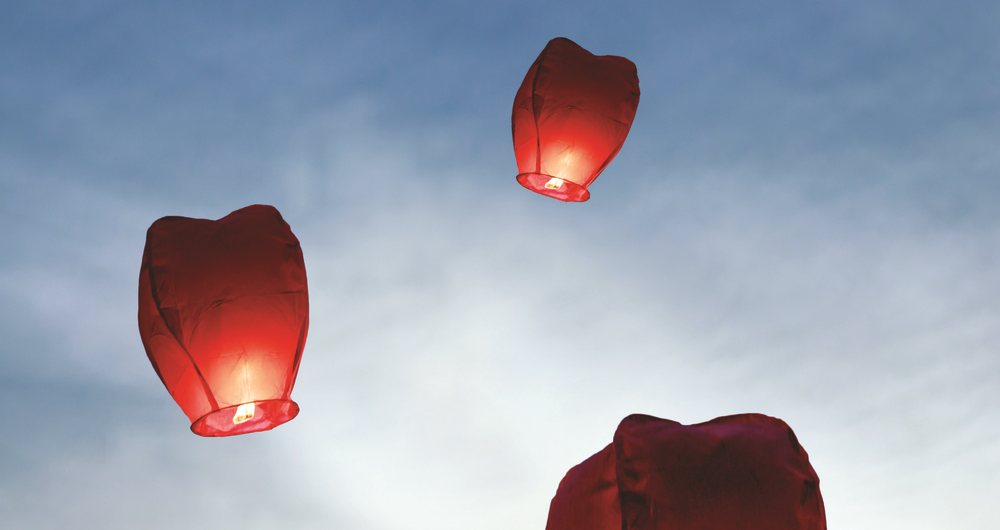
(743,472)
(223,315)
(571,116)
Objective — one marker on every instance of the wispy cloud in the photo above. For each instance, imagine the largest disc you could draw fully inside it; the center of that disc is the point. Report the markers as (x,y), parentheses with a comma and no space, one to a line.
(802,223)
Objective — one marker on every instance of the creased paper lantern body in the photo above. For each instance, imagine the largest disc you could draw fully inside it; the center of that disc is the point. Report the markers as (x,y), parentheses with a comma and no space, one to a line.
(223,315)
(744,472)
(571,116)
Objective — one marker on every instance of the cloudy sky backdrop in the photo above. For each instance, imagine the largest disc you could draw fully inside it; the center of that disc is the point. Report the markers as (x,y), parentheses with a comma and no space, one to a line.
(803,222)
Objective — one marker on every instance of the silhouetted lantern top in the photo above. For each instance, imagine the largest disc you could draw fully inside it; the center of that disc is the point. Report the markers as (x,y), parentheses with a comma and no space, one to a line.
(571,116)
(736,472)
(223,315)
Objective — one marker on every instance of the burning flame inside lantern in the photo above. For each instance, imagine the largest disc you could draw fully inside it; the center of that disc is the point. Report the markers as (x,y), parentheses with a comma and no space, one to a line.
(554,183)
(244,412)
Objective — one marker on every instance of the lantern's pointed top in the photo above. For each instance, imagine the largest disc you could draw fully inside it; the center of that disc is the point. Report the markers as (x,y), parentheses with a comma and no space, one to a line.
(742,471)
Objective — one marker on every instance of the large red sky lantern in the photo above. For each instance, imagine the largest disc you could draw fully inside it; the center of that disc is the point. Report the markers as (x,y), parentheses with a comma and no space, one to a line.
(223,315)
(571,116)
(744,472)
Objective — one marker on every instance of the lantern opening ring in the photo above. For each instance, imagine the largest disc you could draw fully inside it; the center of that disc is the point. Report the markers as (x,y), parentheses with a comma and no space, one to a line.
(267,414)
(555,187)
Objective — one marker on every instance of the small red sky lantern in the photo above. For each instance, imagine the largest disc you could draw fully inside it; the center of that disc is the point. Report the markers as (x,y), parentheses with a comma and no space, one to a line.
(736,472)
(571,116)
(223,315)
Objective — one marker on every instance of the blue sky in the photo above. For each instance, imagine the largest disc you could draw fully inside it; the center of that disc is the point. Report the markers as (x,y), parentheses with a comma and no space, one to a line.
(802,223)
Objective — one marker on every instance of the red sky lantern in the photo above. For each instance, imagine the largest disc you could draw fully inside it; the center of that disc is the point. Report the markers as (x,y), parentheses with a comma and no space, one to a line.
(744,472)
(571,116)
(223,315)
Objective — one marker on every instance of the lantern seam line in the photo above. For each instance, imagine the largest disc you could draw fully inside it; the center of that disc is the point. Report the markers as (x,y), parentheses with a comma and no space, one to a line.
(298,355)
(615,153)
(204,384)
(534,111)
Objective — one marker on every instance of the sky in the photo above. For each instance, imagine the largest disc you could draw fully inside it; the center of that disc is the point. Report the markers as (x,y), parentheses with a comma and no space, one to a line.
(802,223)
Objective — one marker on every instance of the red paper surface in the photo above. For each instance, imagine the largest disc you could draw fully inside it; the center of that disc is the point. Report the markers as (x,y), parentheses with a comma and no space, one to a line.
(744,472)
(223,315)
(570,118)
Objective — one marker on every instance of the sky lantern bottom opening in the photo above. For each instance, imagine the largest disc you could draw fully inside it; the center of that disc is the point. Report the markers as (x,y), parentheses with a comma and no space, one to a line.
(555,187)
(246,417)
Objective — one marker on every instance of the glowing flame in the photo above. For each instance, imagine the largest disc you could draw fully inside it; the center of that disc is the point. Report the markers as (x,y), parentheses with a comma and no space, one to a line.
(554,183)
(243,413)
